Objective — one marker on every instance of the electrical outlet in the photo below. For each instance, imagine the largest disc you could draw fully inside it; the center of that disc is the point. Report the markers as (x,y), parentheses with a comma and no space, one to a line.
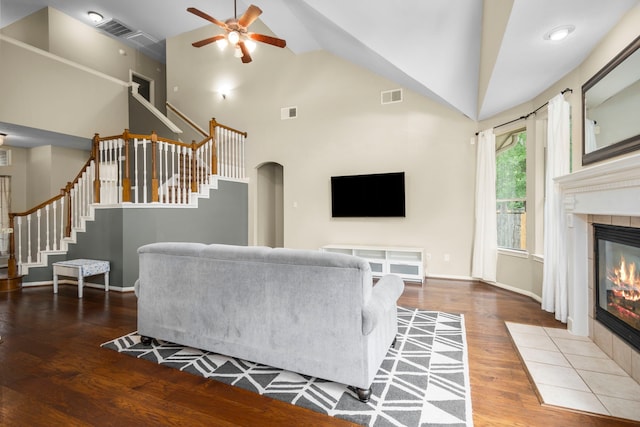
(447,257)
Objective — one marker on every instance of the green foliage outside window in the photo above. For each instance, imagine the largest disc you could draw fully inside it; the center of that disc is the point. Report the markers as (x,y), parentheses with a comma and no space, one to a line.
(511,192)
(511,174)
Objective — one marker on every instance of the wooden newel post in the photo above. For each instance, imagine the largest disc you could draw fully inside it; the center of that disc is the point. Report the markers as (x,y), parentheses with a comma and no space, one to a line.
(194,173)
(95,153)
(214,149)
(12,266)
(67,197)
(154,174)
(126,176)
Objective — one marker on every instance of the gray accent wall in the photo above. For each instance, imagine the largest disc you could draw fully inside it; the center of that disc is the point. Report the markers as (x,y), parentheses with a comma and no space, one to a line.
(117,233)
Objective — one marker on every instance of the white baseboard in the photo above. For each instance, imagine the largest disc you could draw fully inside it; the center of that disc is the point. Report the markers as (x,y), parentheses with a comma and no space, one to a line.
(449,277)
(516,290)
(496,284)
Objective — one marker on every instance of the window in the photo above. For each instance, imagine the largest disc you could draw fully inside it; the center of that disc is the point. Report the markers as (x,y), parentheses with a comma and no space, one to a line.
(511,189)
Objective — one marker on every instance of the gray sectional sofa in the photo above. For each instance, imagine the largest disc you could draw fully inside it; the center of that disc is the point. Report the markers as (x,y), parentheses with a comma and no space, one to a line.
(309,312)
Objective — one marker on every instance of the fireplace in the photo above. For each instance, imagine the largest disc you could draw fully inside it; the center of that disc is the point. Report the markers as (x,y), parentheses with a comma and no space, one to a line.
(617,280)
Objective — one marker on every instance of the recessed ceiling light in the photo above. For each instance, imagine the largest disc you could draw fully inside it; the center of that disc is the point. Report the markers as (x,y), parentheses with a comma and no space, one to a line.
(559,33)
(95,16)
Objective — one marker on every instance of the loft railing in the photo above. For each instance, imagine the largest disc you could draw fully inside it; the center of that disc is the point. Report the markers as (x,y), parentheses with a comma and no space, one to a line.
(127,168)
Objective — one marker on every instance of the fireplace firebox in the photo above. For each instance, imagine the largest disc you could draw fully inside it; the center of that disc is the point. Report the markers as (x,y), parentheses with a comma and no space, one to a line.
(617,280)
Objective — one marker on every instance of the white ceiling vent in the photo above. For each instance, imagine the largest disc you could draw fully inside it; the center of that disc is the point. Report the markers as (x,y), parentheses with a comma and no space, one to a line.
(142,39)
(391,96)
(288,113)
(115,28)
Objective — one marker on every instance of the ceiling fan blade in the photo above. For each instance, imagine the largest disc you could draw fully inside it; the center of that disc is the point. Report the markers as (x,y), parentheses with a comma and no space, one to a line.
(203,15)
(207,41)
(267,39)
(249,16)
(246,57)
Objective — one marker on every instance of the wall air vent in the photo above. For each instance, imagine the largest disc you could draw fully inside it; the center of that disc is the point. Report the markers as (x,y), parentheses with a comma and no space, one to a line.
(391,96)
(115,28)
(287,113)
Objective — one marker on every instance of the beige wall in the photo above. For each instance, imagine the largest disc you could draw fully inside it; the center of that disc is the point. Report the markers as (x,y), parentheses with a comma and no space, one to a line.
(18,173)
(49,170)
(42,92)
(33,29)
(66,37)
(342,129)
(39,170)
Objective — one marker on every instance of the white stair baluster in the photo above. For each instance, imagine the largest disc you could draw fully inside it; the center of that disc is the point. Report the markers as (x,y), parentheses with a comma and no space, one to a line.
(62,230)
(236,172)
(192,172)
(135,167)
(19,239)
(39,222)
(120,167)
(144,170)
(46,210)
(174,187)
(102,171)
(109,174)
(179,174)
(160,181)
(166,173)
(55,222)
(29,238)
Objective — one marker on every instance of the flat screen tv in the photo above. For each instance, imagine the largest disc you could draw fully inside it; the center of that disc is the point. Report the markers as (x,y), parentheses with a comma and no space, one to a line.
(373,195)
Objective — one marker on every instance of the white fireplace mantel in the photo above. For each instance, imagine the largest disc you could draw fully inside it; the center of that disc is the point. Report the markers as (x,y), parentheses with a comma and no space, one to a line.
(611,188)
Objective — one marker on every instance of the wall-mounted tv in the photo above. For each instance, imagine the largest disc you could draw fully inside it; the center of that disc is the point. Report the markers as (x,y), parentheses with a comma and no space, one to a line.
(373,195)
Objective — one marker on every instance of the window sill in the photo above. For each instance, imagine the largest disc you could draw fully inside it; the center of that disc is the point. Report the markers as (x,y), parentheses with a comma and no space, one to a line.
(513,253)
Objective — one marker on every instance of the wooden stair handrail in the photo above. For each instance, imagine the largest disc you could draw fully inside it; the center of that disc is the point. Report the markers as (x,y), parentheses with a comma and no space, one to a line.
(186,119)
(215,124)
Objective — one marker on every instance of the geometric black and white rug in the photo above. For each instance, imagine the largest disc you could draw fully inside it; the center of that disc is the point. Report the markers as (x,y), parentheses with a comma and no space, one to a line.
(424,381)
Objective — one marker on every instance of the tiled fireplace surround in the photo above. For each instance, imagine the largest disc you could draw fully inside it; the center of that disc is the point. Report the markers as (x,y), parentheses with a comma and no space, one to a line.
(607,193)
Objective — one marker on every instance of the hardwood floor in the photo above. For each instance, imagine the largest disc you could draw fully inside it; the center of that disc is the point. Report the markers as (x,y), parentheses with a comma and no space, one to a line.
(53,371)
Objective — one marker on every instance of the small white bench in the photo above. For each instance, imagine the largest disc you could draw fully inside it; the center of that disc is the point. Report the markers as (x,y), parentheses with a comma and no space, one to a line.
(80,268)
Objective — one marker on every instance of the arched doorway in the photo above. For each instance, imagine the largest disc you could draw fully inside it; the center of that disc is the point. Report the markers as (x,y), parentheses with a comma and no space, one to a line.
(270,205)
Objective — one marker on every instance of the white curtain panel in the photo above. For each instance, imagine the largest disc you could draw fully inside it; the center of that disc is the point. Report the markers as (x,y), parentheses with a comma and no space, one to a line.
(554,281)
(485,242)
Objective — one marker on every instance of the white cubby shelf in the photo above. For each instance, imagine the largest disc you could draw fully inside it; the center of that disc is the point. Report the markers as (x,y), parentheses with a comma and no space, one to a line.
(408,263)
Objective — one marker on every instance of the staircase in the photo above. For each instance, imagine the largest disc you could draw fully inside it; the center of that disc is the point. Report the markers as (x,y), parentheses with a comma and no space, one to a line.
(123,170)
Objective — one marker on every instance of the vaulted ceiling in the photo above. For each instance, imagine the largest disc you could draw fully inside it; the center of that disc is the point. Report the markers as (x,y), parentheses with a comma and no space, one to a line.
(478,57)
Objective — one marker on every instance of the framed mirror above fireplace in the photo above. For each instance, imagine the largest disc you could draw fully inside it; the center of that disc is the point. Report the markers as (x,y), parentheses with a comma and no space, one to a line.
(617,280)
(610,105)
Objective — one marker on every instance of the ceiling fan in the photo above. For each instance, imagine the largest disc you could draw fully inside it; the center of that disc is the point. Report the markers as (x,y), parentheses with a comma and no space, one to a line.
(236,32)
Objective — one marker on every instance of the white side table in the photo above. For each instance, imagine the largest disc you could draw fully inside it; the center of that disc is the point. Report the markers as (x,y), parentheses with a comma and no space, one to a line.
(80,268)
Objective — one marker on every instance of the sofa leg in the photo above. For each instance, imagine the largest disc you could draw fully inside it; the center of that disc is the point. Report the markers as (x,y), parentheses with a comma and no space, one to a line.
(145,340)
(363,394)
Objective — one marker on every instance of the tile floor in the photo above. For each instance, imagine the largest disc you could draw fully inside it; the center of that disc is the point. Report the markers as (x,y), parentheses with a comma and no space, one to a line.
(573,372)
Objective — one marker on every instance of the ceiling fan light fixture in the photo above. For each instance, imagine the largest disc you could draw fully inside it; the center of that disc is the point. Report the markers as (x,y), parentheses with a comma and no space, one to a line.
(559,33)
(222,43)
(238,52)
(251,45)
(95,17)
(233,37)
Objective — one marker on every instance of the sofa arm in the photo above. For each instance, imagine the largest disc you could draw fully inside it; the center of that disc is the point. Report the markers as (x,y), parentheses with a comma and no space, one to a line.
(384,296)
